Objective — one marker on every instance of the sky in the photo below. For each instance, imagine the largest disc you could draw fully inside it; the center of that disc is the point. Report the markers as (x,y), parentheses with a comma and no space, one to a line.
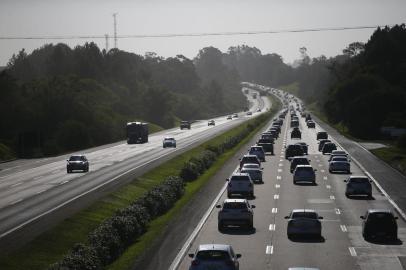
(27,18)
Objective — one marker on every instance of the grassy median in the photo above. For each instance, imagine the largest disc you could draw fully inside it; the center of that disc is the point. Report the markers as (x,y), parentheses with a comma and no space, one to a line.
(52,245)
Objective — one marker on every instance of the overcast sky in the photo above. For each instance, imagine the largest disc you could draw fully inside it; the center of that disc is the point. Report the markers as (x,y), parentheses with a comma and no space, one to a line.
(94,17)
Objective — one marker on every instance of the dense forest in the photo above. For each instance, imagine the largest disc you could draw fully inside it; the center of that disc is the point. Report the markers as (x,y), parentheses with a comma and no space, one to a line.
(61,99)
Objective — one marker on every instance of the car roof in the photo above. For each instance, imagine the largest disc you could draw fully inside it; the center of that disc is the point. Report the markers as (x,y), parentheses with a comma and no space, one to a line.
(299,157)
(379,211)
(358,176)
(303,210)
(214,247)
(235,201)
(321,132)
(252,164)
(169,138)
(240,174)
(302,166)
(77,155)
(339,152)
(251,156)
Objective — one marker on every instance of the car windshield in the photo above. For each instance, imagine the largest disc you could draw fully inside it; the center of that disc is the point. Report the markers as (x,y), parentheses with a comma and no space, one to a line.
(358,180)
(216,255)
(339,159)
(239,178)
(304,169)
(311,215)
(255,166)
(76,158)
(380,216)
(235,205)
(250,159)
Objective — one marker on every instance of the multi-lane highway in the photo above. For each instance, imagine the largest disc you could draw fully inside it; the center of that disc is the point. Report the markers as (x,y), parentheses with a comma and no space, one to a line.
(268,247)
(33,191)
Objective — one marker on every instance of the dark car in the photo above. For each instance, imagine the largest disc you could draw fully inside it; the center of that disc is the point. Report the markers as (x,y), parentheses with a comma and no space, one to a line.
(298,160)
(249,159)
(293,150)
(77,163)
(322,142)
(304,146)
(311,124)
(328,148)
(358,185)
(267,145)
(268,136)
(296,134)
(185,124)
(379,224)
(321,135)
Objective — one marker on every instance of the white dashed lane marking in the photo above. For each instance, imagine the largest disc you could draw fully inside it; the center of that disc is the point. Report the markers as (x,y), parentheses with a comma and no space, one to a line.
(269,250)
(325,178)
(338,212)
(272,227)
(343,228)
(276,197)
(277,186)
(352,251)
(322,171)
(328,186)
(278,177)
(274,210)
(279,170)
(332,197)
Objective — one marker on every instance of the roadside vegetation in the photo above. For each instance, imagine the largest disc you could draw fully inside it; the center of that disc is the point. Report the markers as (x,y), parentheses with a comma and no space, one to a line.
(121,226)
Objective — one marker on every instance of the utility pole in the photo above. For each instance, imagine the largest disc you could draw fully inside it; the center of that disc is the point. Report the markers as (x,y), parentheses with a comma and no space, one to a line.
(106,36)
(115,29)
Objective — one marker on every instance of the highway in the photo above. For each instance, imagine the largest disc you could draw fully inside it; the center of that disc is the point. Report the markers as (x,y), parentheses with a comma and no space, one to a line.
(31,192)
(267,246)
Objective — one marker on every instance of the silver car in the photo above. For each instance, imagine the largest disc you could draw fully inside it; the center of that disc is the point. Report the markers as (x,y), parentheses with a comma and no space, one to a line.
(169,142)
(339,164)
(304,173)
(214,256)
(304,222)
(235,212)
(255,174)
(240,184)
(358,185)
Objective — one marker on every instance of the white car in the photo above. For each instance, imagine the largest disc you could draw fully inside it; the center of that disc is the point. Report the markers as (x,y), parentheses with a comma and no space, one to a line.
(304,222)
(235,212)
(214,256)
(240,184)
(358,185)
(304,173)
(339,164)
(169,142)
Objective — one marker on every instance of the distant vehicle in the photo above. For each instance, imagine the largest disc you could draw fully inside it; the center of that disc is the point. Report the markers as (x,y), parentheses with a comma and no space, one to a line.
(328,148)
(240,184)
(214,256)
(311,124)
(229,117)
(304,146)
(77,163)
(358,185)
(379,224)
(137,132)
(304,222)
(251,166)
(308,117)
(276,127)
(235,115)
(257,151)
(321,135)
(249,159)
(339,164)
(266,144)
(255,173)
(249,113)
(295,133)
(259,110)
(304,173)
(338,153)
(185,125)
(235,212)
(294,123)
(268,136)
(293,150)
(322,142)
(211,123)
(298,160)
(169,142)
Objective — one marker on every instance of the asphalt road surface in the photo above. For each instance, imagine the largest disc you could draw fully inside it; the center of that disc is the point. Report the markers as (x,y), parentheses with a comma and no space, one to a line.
(33,191)
(267,246)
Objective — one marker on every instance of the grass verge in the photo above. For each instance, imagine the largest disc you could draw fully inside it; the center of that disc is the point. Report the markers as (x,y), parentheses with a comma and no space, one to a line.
(394,156)
(52,245)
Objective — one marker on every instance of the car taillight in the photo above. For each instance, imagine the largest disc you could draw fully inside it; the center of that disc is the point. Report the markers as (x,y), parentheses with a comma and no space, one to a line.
(195,262)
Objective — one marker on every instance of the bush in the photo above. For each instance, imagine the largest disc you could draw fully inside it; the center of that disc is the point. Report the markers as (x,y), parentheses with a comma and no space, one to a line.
(81,257)
(401,142)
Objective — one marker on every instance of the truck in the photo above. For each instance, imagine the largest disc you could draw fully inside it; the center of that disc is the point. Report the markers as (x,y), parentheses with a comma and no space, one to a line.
(137,132)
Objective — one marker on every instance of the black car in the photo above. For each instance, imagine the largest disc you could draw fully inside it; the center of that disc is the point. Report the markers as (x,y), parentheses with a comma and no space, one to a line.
(328,148)
(293,150)
(304,146)
(311,124)
(185,124)
(322,142)
(379,224)
(267,144)
(77,163)
(267,136)
(321,135)
(298,160)
(296,134)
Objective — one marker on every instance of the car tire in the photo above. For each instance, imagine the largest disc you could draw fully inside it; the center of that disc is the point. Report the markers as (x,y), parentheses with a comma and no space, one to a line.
(347,194)
(220,226)
(68,171)
(250,226)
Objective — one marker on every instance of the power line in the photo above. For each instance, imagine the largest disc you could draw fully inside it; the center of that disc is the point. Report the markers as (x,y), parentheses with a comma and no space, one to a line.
(282,31)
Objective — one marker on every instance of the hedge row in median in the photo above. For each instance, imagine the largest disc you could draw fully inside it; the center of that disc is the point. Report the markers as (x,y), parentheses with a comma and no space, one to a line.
(108,241)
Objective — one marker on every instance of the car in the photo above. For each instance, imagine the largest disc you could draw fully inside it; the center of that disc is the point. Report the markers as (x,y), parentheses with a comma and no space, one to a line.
(249,159)
(328,148)
(308,117)
(274,133)
(338,153)
(240,184)
(185,124)
(77,163)
(235,115)
(266,144)
(339,164)
(379,224)
(304,222)
(311,124)
(321,135)
(293,150)
(358,185)
(214,256)
(294,123)
(304,146)
(211,123)
(229,117)
(249,113)
(268,136)
(255,173)
(304,173)
(295,133)
(169,142)
(276,127)
(235,212)
(257,151)
(322,142)
(298,160)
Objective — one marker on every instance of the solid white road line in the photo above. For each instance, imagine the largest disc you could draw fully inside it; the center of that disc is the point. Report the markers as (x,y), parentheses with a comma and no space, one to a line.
(17,201)
(343,228)
(16,184)
(39,192)
(352,251)
(269,250)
